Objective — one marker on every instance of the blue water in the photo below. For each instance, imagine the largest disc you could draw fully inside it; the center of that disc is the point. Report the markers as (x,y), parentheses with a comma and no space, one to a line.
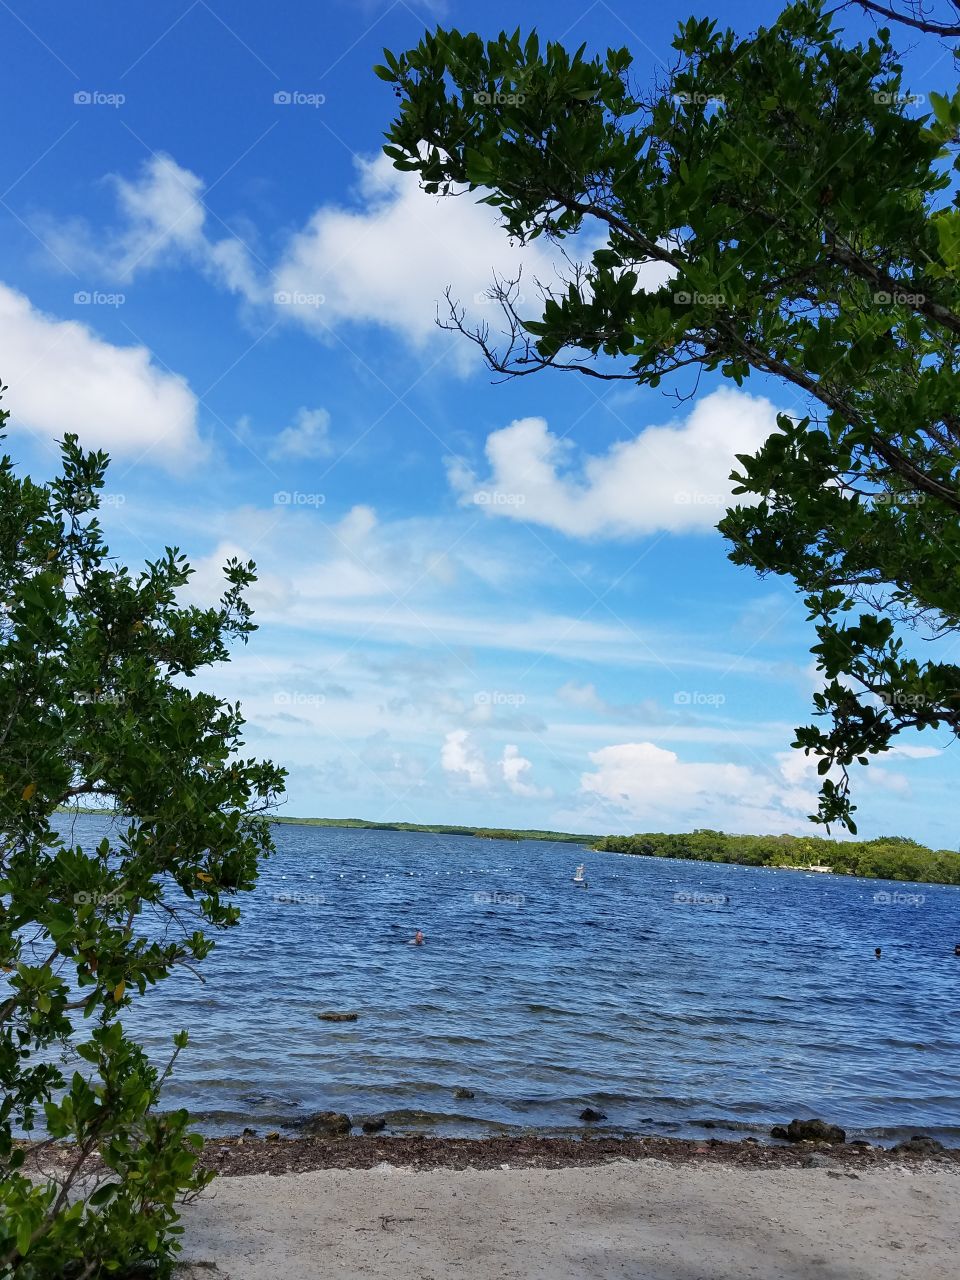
(753,999)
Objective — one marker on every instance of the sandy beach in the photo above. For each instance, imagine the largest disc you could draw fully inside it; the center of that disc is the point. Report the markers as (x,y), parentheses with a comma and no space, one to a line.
(643,1219)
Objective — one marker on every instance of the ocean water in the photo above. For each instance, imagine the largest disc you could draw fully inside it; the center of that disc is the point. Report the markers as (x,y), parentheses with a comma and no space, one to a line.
(677,997)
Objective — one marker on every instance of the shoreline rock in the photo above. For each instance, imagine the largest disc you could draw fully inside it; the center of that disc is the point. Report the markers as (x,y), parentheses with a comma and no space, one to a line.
(591,1115)
(326,1124)
(273,1154)
(810,1131)
(920,1145)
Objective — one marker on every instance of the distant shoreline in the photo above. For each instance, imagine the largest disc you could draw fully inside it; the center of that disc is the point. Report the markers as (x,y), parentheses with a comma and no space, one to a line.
(442,829)
(892,858)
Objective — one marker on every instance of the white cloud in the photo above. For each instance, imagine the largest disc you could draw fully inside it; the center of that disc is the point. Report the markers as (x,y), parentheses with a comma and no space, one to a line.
(357,525)
(163,222)
(163,214)
(64,378)
(359,578)
(672,477)
(516,769)
(385,260)
(915,753)
(388,262)
(460,756)
(308,437)
(656,788)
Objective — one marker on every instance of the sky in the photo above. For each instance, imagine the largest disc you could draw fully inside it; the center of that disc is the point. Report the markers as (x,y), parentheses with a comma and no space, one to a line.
(479,602)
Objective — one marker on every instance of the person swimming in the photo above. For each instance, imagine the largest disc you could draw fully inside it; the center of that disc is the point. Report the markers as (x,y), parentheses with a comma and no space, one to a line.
(877,952)
(417,939)
(956,949)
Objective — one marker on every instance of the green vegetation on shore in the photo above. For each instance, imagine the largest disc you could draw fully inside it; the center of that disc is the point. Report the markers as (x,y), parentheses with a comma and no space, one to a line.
(442,829)
(886,858)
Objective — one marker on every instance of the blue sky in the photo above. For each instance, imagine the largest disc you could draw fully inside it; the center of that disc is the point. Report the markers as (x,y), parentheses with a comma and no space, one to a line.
(479,603)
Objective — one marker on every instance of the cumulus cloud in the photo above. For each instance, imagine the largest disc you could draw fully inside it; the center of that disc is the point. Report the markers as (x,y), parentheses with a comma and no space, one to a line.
(163,212)
(673,477)
(385,258)
(462,758)
(308,437)
(516,769)
(64,378)
(349,257)
(162,221)
(655,788)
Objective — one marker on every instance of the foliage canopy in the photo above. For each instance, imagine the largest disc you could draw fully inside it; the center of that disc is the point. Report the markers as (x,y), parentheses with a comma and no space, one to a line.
(93,702)
(799,211)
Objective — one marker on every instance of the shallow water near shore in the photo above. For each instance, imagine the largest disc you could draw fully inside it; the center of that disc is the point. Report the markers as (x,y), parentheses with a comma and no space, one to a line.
(678,998)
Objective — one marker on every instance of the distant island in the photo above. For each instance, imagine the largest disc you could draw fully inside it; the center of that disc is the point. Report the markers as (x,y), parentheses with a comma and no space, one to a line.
(441,829)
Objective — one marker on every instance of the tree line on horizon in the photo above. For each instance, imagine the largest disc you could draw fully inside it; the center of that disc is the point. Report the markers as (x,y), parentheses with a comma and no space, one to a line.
(884,858)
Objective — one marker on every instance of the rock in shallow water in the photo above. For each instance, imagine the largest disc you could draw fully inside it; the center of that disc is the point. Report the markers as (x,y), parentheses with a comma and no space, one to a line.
(591,1115)
(464,1094)
(327,1124)
(373,1124)
(331,1016)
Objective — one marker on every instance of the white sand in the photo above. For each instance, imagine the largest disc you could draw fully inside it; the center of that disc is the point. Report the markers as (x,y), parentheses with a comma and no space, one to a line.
(645,1220)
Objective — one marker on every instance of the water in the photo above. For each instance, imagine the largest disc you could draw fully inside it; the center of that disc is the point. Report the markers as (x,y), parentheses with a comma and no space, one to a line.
(676,1017)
